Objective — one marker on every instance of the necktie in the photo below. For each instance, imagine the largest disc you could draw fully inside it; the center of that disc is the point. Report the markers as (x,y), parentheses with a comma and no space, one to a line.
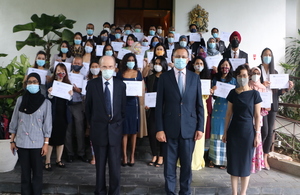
(107,99)
(235,54)
(180,83)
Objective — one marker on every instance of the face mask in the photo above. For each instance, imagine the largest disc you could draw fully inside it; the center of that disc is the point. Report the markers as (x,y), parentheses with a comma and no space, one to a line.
(198,68)
(172,31)
(127,32)
(108,30)
(171,40)
(215,35)
(202,54)
(88,49)
(130,65)
(183,43)
(159,53)
(77,41)
(211,45)
(137,30)
(152,32)
(109,53)
(61,75)
(158,68)
(130,42)
(180,63)
(40,62)
(242,81)
(145,43)
(33,88)
(154,43)
(95,71)
(64,50)
(89,31)
(113,30)
(267,59)
(118,35)
(76,68)
(193,30)
(108,73)
(255,77)
(159,31)
(234,43)
(225,70)
(104,38)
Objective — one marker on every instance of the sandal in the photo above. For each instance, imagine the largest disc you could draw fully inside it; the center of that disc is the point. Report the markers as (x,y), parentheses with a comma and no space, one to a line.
(158,165)
(60,164)
(151,163)
(211,164)
(48,167)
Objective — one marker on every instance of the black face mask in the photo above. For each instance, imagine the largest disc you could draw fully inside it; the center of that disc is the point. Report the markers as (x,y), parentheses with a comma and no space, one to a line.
(234,43)
(76,68)
(193,30)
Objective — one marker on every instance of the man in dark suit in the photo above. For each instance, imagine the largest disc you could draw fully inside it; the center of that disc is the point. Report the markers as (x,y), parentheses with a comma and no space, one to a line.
(105,111)
(233,50)
(179,120)
(221,47)
(89,31)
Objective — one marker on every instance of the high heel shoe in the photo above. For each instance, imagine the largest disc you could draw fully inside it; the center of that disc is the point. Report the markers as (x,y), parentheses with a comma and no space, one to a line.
(130,164)
(48,167)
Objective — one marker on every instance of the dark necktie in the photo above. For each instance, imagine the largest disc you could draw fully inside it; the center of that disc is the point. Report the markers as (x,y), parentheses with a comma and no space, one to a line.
(235,55)
(107,99)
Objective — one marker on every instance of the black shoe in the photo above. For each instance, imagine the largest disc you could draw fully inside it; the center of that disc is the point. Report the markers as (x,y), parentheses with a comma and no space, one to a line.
(48,167)
(83,159)
(70,159)
(130,164)
(60,164)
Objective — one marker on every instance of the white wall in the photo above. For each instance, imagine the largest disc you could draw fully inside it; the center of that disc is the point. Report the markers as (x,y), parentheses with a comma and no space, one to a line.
(260,23)
(14,12)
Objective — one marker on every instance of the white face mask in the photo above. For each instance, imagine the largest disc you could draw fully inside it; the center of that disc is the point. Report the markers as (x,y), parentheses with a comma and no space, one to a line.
(198,68)
(95,71)
(255,77)
(108,29)
(158,68)
(159,31)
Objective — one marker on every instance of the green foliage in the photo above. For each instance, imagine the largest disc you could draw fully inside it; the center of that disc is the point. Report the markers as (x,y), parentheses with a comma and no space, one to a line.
(3,55)
(11,82)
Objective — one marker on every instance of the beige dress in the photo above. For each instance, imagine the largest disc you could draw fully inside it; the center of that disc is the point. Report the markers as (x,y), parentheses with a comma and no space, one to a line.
(143,123)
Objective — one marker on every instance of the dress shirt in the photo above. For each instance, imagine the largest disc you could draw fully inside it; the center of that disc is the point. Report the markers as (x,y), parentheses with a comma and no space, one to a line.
(110,87)
(183,76)
(89,37)
(171,46)
(237,53)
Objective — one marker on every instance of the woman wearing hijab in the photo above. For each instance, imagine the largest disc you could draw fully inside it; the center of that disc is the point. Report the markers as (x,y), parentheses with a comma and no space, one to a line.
(212,48)
(30,129)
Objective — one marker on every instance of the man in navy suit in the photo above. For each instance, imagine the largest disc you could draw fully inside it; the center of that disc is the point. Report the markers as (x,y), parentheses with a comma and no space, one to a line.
(105,111)
(179,120)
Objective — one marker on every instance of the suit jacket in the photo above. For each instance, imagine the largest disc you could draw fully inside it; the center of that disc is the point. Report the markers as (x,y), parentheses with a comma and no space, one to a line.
(104,131)
(242,54)
(221,46)
(84,38)
(176,115)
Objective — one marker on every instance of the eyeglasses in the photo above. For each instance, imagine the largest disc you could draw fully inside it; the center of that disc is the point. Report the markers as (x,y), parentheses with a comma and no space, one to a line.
(32,82)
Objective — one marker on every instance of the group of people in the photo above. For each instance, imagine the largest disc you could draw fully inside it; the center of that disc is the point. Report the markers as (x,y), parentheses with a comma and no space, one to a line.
(237,130)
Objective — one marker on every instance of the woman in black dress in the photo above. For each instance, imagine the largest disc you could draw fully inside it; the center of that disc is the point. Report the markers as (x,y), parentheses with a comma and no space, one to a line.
(239,132)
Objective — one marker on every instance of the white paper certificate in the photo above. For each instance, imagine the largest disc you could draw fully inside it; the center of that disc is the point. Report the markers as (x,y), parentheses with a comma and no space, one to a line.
(149,56)
(76,79)
(125,38)
(139,36)
(150,99)
(225,36)
(195,37)
(149,38)
(117,45)
(122,53)
(190,54)
(85,69)
(176,37)
(60,89)
(213,61)
(99,50)
(67,64)
(205,86)
(235,62)
(223,89)
(279,81)
(42,73)
(134,88)
(83,90)
(140,61)
(266,99)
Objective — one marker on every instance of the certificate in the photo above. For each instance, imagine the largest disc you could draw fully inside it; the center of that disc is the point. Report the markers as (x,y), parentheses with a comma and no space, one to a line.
(169,53)
(150,99)
(67,64)
(205,86)
(225,36)
(213,61)
(223,89)
(85,69)
(195,37)
(83,89)
(42,73)
(60,89)
(122,53)
(266,99)
(149,38)
(190,54)
(144,49)
(125,38)
(117,45)
(76,79)
(99,50)
(134,88)
(235,62)
(176,37)
(279,81)
(149,56)
(139,36)
(140,61)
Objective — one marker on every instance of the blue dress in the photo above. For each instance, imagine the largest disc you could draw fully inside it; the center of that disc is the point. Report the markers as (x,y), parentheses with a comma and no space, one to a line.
(217,149)
(131,124)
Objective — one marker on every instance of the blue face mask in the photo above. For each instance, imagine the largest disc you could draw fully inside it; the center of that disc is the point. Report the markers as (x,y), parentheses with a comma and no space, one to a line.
(211,45)
(180,63)
(145,43)
(183,43)
(215,35)
(33,88)
(77,41)
(90,31)
(40,62)
(193,30)
(109,53)
(130,65)
(64,50)
(104,38)
(172,32)
(154,43)
(88,49)
(118,35)
(171,40)
(152,32)
(108,73)
(137,30)
(127,32)
(267,59)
